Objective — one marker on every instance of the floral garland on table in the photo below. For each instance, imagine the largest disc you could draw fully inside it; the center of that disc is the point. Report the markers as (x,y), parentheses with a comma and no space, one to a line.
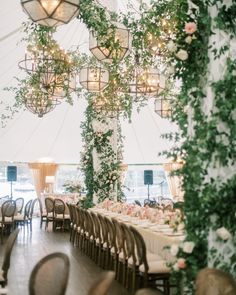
(106,180)
(205,112)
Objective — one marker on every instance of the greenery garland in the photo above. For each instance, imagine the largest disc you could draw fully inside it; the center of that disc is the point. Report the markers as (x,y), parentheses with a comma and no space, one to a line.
(107,180)
(208,149)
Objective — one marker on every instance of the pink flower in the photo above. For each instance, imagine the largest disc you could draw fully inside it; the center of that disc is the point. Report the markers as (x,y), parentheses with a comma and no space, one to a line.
(190,28)
(181,263)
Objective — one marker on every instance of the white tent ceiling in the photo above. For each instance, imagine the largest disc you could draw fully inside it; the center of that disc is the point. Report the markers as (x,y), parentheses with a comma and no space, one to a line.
(57,135)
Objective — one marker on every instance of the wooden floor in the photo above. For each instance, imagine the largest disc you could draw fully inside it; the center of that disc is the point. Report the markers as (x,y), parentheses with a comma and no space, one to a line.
(29,248)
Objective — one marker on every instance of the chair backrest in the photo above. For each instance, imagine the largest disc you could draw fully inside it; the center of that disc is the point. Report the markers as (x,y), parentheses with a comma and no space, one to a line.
(49,204)
(102,285)
(8,209)
(4,199)
(19,204)
(129,243)
(104,231)
(32,207)
(50,275)
(111,234)
(119,237)
(59,207)
(97,228)
(212,281)
(7,254)
(140,247)
(27,209)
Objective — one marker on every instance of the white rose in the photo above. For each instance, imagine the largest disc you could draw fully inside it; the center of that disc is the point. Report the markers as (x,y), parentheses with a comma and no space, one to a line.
(223,233)
(176,267)
(188,247)
(188,39)
(182,54)
(174,249)
(171,46)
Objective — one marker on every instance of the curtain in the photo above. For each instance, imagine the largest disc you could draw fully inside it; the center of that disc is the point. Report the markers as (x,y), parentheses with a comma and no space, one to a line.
(174,181)
(39,172)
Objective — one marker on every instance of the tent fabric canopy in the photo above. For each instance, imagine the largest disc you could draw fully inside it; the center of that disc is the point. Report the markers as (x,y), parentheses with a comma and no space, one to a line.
(58,135)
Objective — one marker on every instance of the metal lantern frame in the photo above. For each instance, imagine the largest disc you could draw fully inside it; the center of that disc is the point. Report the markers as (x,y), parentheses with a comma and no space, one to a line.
(54,75)
(40,103)
(163,107)
(51,13)
(147,82)
(94,79)
(122,36)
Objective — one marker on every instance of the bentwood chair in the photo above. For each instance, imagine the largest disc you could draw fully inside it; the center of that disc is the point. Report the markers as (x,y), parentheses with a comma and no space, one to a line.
(19,205)
(49,204)
(151,270)
(50,275)
(7,220)
(212,281)
(59,216)
(31,212)
(7,257)
(43,213)
(103,284)
(22,219)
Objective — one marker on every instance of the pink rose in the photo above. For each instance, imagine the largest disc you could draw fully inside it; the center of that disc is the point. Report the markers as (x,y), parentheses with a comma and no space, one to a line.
(181,263)
(190,28)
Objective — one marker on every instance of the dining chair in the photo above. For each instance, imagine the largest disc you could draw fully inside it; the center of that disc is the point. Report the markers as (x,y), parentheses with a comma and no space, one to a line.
(97,237)
(7,257)
(50,275)
(121,251)
(7,219)
(103,284)
(151,270)
(31,212)
(59,214)
(49,205)
(22,219)
(212,281)
(43,213)
(19,205)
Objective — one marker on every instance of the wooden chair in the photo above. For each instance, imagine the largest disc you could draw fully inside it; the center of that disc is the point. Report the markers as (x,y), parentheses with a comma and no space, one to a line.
(59,216)
(7,220)
(212,281)
(31,212)
(97,237)
(43,214)
(49,204)
(7,257)
(153,270)
(19,205)
(50,275)
(22,219)
(102,285)
(121,251)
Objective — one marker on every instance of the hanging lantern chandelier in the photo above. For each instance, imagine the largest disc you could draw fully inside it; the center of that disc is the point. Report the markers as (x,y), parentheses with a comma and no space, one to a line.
(121,48)
(51,12)
(50,68)
(40,103)
(156,45)
(163,107)
(94,79)
(147,82)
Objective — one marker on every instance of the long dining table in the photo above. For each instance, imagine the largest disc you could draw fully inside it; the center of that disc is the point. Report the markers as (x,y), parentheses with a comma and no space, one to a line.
(158,237)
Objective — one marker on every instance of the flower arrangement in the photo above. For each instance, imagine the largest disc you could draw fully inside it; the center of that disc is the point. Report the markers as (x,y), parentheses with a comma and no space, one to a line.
(73,186)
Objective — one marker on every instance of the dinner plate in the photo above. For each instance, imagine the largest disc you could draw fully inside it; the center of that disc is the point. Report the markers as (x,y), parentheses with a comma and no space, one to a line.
(174,234)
